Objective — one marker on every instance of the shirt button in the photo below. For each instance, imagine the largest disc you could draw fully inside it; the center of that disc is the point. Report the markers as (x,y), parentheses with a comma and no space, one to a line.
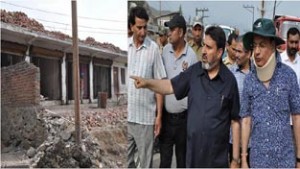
(268,123)
(268,107)
(267,155)
(267,140)
(268,92)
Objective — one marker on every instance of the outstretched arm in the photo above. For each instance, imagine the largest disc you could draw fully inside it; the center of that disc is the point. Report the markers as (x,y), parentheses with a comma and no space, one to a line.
(158,86)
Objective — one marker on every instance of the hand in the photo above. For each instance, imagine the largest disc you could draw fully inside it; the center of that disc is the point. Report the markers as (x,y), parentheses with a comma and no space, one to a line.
(234,164)
(139,82)
(157,126)
(298,165)
(244,164)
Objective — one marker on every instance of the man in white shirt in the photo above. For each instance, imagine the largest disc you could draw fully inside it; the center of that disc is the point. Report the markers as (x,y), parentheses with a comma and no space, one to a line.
(291,56)
(143,60)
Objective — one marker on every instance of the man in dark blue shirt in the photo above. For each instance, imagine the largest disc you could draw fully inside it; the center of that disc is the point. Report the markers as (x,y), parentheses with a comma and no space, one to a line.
(213,104)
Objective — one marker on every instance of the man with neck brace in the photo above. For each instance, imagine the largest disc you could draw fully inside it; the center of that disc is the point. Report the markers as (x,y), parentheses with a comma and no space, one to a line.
(271,93)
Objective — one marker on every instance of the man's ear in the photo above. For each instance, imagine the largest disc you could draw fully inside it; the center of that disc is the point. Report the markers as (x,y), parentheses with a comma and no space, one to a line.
(220,53)
(131,27)
(181,32)
(227,45)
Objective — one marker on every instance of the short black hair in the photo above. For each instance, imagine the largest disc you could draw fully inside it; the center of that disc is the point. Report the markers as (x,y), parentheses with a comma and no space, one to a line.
(231,37)
(293,31)
(139,12)
(218,35)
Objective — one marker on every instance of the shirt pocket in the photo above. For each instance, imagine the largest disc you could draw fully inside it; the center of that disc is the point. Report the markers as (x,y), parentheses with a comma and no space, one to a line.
(282,99)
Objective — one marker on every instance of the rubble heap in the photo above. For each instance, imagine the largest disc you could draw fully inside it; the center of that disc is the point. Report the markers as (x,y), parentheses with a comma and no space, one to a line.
(22,20)
(92,42)
(99,148)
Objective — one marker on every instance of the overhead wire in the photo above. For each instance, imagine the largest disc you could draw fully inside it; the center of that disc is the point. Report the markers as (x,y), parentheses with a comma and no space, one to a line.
(61,14)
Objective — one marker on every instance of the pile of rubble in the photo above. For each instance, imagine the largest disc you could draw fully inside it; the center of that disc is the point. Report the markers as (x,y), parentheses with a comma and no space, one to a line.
(101,148)
(22,20)
(91,41)
(109,117)
(51,141)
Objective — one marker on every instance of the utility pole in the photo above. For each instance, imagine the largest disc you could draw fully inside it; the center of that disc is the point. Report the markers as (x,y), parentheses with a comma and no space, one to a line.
(248,7)
(274,10)
(76,88)
(160,22)
(202,10)
(262,10)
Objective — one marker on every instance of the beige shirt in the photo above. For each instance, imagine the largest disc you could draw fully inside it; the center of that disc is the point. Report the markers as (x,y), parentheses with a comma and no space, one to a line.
(227,61)
(197,49)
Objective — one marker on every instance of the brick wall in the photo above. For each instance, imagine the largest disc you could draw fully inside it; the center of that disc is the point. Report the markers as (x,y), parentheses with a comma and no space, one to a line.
(20,85)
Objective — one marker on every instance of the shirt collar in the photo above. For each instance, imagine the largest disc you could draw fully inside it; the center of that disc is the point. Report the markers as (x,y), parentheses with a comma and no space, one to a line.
(192,43)
(184,52)
(222,71)
(286,58)
(145,44)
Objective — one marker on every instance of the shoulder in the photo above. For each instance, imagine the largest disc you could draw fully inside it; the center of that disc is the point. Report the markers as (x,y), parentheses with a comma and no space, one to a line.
(226,72)
(191,42)
(195,69)
(168,47)
(191,53)
(284,56)
(151,44)
(285,70)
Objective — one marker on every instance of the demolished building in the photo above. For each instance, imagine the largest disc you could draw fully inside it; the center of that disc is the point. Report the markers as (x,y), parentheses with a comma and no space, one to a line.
(103,66)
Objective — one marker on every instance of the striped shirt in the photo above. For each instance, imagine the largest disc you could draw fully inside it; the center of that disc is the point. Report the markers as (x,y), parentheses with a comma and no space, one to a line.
(145,62)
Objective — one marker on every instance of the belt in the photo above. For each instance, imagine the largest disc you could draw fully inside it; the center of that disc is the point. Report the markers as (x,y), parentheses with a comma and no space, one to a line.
(181,115)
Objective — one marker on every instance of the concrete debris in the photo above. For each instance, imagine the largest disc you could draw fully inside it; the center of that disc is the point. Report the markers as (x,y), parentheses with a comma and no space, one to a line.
(103,144)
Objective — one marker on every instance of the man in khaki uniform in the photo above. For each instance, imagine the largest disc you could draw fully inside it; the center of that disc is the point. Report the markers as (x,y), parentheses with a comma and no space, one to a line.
(196,42)
(230,58)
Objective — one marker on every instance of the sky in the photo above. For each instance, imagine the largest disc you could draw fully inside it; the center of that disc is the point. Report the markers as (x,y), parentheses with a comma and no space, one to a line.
(106,21)
(231,13)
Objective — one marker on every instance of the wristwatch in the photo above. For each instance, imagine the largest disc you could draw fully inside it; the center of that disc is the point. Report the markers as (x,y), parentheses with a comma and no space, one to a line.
(298,159)
(237,160)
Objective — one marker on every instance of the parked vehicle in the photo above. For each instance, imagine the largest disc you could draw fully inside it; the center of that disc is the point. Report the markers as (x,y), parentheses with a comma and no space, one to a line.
(227,29)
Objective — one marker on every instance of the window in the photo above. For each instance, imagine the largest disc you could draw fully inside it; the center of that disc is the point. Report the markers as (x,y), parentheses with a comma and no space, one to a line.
(123,75)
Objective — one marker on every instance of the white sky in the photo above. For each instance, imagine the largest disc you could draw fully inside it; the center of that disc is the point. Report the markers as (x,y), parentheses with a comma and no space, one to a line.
(109,25)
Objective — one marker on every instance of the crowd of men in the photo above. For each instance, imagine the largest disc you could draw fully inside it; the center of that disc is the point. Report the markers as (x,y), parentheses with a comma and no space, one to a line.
(240,111)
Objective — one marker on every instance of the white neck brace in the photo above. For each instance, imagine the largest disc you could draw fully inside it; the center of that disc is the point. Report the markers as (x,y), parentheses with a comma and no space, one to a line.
(265,72)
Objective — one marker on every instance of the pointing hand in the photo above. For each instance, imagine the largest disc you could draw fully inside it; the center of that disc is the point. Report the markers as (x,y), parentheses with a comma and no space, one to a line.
(138,82)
